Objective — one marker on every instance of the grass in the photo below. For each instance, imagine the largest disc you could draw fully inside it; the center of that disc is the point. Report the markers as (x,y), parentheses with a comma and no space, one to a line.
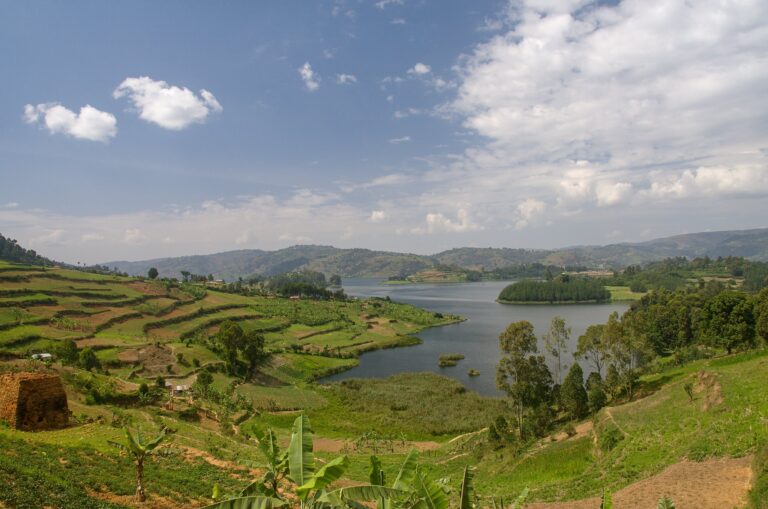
(661,429)
(623,293)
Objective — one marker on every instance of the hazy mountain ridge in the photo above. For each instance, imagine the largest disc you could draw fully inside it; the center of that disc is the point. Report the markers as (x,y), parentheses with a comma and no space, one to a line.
(751,244)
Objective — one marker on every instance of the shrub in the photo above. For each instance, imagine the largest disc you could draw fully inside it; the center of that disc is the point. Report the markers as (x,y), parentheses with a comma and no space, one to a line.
(609,437)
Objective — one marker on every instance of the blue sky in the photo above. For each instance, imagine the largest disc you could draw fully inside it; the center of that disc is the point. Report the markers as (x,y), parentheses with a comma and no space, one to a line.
(149,129)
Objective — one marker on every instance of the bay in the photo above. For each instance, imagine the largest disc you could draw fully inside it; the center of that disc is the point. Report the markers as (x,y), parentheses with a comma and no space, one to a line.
(476,338)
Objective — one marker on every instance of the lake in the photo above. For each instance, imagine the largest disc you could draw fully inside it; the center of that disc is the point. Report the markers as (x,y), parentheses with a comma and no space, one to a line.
(476,338)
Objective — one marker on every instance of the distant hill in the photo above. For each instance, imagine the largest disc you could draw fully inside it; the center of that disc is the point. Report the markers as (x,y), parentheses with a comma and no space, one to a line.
(751,244)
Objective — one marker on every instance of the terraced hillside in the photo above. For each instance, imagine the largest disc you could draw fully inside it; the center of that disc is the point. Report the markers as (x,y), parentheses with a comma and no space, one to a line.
(140,329)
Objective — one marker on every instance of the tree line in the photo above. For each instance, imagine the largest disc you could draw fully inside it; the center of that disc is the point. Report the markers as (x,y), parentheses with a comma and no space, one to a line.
(561,289)
(683,325)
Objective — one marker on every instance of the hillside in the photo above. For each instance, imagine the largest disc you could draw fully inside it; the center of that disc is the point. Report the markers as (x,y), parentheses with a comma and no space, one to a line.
(145,333)
(751,244)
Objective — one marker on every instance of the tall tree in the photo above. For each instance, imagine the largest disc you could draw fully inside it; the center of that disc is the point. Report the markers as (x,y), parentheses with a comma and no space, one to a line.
(152,273)
(556,341)
(573,395)
(523,376)
(592,348)
(230,337)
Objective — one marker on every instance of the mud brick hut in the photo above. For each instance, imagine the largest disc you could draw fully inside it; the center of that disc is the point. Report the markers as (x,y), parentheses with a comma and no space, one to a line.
(33,401)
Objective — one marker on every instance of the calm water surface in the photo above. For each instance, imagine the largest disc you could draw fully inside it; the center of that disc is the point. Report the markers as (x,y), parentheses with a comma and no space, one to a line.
(477,338)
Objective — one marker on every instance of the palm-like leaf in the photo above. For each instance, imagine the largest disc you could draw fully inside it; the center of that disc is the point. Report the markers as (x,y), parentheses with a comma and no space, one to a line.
(301,462)
(605,501)
(407,473)
(465,501)
(366,493)
(331,471)
(247,503)
(431,495)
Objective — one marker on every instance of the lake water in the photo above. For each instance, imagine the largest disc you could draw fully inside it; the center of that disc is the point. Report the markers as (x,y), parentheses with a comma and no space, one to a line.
(476,338)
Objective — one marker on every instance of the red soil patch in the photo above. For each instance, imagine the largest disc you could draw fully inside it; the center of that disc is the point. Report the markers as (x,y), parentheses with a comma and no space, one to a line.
(711,484)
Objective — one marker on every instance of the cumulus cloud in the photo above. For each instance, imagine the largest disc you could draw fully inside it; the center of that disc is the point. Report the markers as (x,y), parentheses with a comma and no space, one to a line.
(377,216)
(420,69)
(89,124)
(308,76)
(168,106)
(346,79)
(436,222)
(709,181)
(527,211)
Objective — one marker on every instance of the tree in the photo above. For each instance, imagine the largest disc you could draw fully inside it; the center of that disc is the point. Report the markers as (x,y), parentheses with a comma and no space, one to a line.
(728,320)
(88,359)
(135,446)
(556,340)
(573,396)
(591,348)
(613,381)
(185,275)
(152,273)
(67,352)
(761,314)
(203,381)
(230,337)
(335,280)
(253,350)
(524,377)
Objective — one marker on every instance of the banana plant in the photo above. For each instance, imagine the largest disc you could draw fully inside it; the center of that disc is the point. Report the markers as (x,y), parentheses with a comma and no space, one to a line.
(136,446)
(411,489)
(296,464)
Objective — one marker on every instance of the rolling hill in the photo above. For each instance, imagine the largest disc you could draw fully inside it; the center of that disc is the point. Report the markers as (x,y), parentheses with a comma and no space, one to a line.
(751,244)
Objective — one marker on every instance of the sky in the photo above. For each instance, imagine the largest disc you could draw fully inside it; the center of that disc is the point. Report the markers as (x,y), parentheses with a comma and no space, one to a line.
(135,130)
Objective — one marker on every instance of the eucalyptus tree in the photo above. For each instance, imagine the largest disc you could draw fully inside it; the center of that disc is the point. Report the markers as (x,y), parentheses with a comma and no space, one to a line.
(522,375)
(556,341)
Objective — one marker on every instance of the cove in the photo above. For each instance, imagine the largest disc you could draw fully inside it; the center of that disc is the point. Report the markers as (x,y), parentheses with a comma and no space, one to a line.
(476,338)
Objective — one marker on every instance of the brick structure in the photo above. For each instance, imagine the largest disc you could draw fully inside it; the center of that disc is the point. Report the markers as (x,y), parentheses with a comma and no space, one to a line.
(33,401)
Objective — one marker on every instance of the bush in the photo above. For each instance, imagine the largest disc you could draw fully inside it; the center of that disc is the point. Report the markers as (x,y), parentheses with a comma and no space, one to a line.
(609,437)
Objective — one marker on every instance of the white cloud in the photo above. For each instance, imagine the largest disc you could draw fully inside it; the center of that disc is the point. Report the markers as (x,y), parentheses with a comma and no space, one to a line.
(89,124)
(402,139)
(168,106)
(612,193)
(134,236)
(397,21)
(420,69)
(527,211)
(377,216)
(311,81)
(436,222)
(91,237)
(11,205)
(710,181)
(346,79)
(382,4)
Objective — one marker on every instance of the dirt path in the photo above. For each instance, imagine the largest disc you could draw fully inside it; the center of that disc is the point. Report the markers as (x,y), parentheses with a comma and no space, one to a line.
(610,418)
(713,484)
